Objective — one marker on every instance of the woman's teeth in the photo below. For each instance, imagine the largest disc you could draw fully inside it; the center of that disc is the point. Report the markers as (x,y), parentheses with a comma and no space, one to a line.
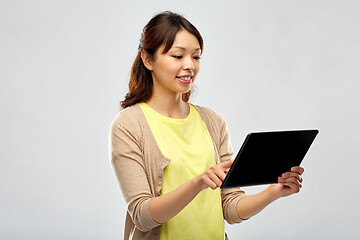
(185,78)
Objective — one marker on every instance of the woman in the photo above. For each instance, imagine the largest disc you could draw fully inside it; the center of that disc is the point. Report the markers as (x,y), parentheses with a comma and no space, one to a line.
(170,157)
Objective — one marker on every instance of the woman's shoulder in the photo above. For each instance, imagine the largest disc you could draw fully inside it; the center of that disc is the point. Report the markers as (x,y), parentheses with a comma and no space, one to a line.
(209,113)
(128,118)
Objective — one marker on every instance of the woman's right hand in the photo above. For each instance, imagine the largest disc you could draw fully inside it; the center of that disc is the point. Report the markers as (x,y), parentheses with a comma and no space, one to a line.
(214,176)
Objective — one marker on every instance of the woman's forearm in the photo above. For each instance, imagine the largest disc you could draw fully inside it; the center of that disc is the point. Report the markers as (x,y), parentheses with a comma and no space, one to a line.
(251,205)
(289,183)
(165,207)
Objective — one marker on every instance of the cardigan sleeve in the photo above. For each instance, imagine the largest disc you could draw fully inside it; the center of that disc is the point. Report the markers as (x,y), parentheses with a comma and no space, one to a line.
(230,197)
(127,161)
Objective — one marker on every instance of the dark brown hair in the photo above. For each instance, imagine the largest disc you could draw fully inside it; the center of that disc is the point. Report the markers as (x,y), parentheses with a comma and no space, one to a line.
(160,30)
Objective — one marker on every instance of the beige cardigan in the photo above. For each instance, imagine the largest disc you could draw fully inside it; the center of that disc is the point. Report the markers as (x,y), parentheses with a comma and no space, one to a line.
(138,164)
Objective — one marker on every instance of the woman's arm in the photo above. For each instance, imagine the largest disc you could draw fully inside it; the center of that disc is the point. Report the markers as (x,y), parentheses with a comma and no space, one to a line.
(165,207)
(289,183)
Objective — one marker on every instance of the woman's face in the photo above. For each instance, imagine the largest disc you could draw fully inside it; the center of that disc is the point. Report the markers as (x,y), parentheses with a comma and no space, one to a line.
(175,71)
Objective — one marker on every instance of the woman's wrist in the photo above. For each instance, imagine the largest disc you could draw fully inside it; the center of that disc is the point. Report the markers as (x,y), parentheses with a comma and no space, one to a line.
(278,190)
(272,193)
(197,184)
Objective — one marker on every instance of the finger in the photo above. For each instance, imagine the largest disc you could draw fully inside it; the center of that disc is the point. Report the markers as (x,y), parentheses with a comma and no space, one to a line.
(208,182)
(215,179)
(294,187)
(225,165)
(292,174)
(298,170)
(294,180)
(289,180)
(220,174)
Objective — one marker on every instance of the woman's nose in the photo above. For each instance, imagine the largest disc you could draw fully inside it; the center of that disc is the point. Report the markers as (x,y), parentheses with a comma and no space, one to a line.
(188,64)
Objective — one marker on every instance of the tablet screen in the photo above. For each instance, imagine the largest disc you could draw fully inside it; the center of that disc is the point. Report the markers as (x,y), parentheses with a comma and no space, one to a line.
(264,156)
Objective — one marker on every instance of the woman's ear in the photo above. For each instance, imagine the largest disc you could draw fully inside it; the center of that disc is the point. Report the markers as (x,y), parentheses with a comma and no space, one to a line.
(146,60)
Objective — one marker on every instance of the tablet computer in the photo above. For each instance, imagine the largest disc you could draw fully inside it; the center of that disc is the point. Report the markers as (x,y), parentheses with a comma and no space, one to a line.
(264,156)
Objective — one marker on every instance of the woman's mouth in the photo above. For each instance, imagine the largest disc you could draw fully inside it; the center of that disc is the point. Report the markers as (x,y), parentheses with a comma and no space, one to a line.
(184,79)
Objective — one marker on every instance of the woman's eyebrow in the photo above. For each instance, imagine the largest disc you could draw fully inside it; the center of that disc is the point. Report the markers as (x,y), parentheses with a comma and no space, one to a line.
(182,48)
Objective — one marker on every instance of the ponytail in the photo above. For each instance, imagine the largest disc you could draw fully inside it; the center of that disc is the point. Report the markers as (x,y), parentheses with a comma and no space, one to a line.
(140,84)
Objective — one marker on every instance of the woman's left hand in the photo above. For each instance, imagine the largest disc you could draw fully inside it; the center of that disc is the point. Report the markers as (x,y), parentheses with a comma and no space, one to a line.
(288,183)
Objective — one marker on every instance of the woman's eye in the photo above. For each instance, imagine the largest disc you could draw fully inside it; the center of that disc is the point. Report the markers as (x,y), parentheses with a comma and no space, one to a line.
(177,56)
(197,58)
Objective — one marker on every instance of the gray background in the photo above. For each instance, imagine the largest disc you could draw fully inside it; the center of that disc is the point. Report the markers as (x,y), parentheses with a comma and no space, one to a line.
(267,65)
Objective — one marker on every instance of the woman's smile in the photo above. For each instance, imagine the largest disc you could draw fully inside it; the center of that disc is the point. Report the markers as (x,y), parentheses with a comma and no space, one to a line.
(187,79)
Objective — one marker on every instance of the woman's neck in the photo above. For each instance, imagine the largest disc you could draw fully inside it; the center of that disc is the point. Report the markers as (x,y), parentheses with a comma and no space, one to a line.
(169,106)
